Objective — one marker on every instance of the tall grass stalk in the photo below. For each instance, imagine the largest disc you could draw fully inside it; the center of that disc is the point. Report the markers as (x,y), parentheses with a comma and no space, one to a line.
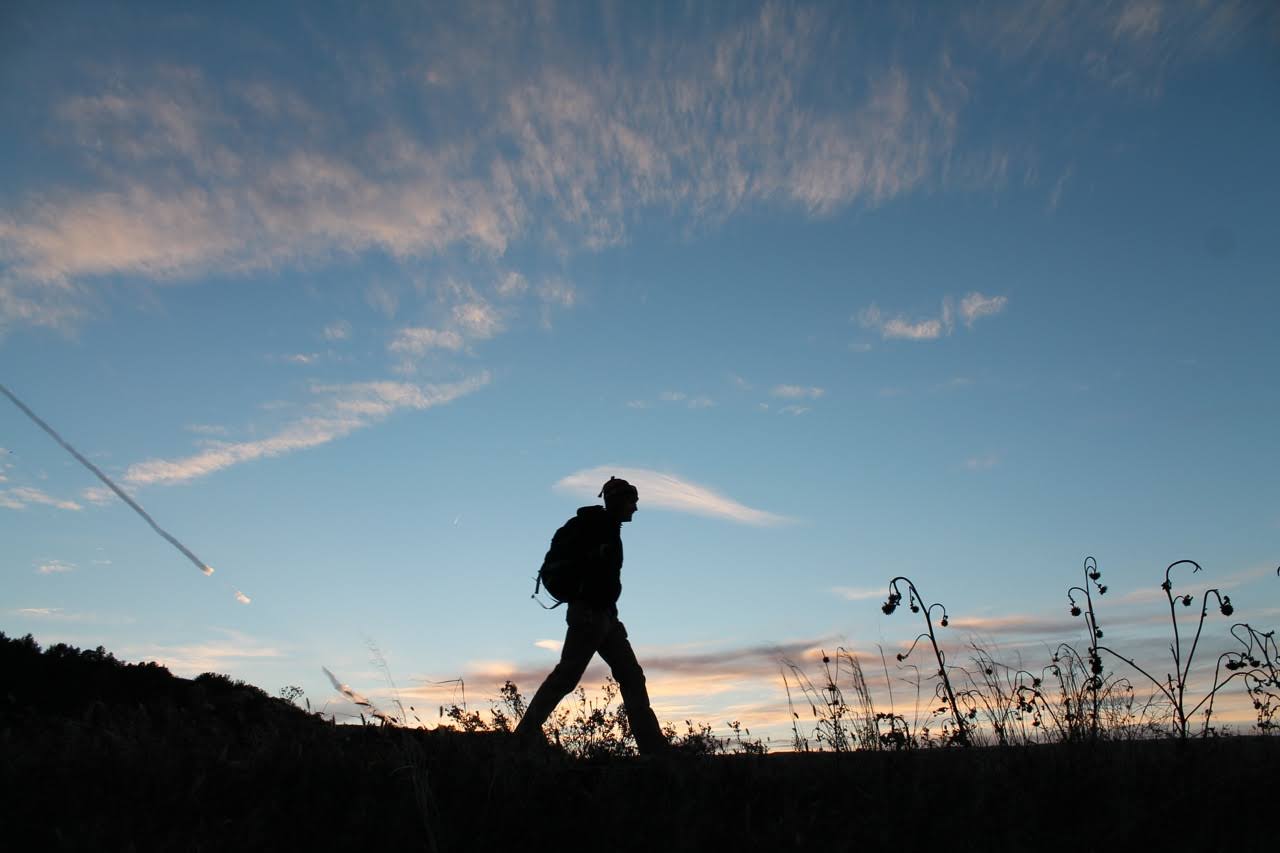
(842,727)
(961,735)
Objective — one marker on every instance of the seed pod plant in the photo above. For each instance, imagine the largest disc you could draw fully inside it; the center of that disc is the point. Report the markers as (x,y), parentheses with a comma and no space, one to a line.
(915,602)
(1092,581)
(1257,664)
(1174,686)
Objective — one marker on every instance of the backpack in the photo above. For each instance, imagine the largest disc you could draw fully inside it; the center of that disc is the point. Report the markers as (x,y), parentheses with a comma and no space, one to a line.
(564,567)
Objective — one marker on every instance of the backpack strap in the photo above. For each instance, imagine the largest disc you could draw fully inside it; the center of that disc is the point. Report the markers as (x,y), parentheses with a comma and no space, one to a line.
(537,586)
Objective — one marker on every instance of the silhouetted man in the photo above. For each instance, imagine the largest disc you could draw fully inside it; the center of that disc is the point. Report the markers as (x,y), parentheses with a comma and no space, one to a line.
(595,534)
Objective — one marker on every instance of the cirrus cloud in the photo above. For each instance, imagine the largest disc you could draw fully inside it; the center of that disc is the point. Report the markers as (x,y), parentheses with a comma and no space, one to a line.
(192,173)
(797,392)
(343,410)
(417,340)
(666,491)
(21,497)
(973,305)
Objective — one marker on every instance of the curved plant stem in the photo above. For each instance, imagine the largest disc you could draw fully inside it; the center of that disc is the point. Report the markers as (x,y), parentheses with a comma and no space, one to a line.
(916,603)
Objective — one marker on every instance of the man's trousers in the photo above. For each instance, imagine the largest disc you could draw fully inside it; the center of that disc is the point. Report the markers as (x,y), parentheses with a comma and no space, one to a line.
(592,630)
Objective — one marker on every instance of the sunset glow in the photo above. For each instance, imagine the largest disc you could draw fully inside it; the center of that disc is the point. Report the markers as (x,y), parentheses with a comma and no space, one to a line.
(361,303)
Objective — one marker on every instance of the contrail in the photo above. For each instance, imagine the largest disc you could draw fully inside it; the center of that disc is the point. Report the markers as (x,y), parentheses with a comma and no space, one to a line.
(200,564)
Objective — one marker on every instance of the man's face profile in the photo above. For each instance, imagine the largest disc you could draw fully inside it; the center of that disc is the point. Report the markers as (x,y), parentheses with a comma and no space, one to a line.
(624,508)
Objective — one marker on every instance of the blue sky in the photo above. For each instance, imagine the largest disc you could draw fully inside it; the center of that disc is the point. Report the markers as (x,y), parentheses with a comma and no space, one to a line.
(360,302)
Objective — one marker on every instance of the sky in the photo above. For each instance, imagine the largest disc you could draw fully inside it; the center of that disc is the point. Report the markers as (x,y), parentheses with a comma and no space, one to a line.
(359,302)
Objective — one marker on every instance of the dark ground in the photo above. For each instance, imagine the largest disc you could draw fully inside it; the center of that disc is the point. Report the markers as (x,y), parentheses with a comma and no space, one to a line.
(97,755)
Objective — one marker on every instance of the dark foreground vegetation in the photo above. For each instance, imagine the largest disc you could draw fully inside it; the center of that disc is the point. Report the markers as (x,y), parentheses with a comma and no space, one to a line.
(99,755)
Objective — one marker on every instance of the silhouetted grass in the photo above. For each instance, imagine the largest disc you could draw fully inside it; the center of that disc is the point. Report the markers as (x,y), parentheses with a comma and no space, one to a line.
(99,755)
(96,754)
(1070,698)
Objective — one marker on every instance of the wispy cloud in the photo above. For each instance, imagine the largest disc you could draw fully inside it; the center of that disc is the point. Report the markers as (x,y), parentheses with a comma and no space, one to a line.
(54,567)
(850,593)
(701,681)
(188,171)
(1195,583)
(898,326)
(61,614)
(191,174)
(673,673)
(666,491)
(417,340)
(1055,194)
(97,495)
(689,401)
(982,463)
(337,331)
(466,319)
(477,319)
(511,284)
(794,392)
(1131,46)
(219,655)
(342,410)
(925,330)
(973,306)
(1026,626)
(206,429)
(744,681)
(21,497)
(557,291)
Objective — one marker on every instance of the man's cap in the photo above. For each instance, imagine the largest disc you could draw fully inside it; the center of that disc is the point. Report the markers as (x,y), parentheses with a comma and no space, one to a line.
(618,488)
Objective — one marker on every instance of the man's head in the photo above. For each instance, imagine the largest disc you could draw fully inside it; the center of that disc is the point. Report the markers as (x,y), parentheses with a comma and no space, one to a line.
(620,498)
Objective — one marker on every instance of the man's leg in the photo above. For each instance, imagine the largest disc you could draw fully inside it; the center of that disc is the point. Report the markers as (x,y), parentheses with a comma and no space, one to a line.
(617,652)
(580,642)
